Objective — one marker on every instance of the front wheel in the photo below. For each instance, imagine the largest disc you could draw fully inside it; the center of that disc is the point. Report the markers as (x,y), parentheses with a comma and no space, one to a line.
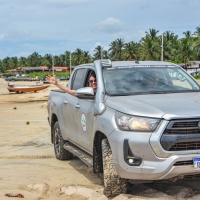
(113,184)
(58,141)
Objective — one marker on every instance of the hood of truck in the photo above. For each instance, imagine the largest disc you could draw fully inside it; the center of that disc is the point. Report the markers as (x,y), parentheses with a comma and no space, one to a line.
(166,106)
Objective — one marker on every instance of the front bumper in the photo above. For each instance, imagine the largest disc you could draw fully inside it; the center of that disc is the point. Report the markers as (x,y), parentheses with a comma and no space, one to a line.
(156,163)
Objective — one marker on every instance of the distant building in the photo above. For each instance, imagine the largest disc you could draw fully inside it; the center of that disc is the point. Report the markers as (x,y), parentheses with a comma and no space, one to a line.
(192,67)
(27,70)
(193,64)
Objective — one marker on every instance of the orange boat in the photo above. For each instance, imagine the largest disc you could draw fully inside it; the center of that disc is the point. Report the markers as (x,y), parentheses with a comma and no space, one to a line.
(27,88)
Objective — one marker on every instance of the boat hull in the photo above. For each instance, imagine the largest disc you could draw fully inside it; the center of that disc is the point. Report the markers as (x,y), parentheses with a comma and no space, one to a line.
(23,89)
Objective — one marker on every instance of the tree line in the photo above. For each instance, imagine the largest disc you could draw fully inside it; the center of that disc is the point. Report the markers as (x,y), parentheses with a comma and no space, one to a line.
(175,49)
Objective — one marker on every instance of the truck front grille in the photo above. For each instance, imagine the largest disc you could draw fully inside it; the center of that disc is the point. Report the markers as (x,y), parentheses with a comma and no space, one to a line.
(181,135)
(185,162)
(180,146)
(183,131)
(183,127)
(186,124)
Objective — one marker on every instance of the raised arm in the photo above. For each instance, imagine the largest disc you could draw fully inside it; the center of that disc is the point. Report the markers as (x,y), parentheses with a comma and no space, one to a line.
(53,80)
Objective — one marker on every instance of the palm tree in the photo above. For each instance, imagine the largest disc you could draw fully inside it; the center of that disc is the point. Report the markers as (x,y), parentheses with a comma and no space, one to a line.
(13,62)
(152,34)
(77,55)
(47,61)
(113,50)
(170,46)
(186,50)
(22,62)
(105,54)
(57,60)
(150,48)
(131,51)
(5,64)
(86,58)
(98,52)
(116,49)
(197,48)
(63,60)
(196,44)
(197,32)
(66,57)
(187,34)
(1,67)
(34,60)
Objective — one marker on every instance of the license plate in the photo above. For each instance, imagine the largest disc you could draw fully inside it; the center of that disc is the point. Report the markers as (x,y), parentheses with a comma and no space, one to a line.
(196,163)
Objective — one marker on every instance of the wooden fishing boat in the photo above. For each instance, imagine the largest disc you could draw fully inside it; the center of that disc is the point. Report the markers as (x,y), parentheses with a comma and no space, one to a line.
(26,88)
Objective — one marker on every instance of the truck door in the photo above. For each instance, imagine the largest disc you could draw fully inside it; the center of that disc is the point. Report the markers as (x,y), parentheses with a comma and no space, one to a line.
(70,106)
(69,113)
(85,120)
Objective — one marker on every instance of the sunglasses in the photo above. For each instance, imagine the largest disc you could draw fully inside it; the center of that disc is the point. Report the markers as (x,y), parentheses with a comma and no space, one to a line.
(91,81)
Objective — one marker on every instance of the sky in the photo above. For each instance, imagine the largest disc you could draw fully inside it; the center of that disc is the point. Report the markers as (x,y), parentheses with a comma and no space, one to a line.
(56,26)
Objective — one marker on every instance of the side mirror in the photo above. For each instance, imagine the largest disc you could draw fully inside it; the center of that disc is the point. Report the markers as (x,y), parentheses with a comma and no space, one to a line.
(85,93)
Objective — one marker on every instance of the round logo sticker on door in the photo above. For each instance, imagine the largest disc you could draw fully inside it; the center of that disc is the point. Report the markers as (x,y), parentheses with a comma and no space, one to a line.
(83,122)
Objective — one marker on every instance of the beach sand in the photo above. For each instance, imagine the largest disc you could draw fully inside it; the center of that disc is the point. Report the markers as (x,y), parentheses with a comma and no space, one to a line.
(28,166)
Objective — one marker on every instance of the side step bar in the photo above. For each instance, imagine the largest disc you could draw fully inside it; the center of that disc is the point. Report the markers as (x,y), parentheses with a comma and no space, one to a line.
(87,159)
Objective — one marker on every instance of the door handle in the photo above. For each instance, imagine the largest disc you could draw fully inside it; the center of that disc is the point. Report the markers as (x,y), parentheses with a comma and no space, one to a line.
(78,106)
(65,102)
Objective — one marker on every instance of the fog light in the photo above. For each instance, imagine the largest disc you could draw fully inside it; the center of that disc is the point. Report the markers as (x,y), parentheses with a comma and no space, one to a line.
(130,160)
(129,157)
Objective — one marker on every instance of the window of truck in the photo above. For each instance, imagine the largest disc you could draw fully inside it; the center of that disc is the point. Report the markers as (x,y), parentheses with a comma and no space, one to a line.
(147,79)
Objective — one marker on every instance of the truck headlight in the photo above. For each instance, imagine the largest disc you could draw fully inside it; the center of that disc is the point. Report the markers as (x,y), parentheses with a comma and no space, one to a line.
(135,123)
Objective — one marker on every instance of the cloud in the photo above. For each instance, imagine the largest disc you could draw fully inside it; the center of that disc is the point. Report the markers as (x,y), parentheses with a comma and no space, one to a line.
(110,25)
(53,26)
(68,2)
(2,36)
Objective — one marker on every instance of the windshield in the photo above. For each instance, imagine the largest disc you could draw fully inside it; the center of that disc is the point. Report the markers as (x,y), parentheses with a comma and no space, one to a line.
(147,79)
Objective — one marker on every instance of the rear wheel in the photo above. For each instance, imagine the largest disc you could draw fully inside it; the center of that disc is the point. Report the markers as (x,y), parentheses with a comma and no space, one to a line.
(113,184)
(58,141)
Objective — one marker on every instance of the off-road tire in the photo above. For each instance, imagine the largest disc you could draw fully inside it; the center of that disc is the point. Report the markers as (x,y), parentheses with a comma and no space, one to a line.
(113,184)
(58,141)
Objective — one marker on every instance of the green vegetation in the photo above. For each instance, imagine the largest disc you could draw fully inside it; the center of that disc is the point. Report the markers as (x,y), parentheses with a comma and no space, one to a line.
(197,77)
(177,50)
(43,74)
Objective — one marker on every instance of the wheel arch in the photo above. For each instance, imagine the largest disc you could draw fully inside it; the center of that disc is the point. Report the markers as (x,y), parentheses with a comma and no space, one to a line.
(97,153)
(54,119)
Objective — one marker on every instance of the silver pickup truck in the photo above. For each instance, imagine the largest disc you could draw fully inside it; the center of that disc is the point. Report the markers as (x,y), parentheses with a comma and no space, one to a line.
(142,124)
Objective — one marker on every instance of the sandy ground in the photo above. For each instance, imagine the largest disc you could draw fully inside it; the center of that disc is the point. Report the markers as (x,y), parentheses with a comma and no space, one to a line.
(28,168)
